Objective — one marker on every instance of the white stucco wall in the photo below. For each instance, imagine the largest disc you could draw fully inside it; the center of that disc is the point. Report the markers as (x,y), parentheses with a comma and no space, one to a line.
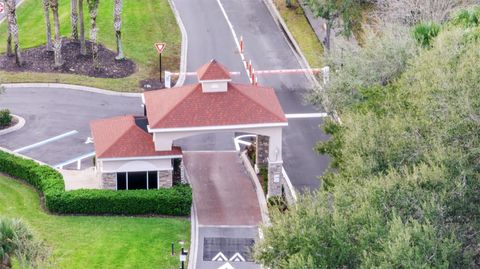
(111,166)
(164,140)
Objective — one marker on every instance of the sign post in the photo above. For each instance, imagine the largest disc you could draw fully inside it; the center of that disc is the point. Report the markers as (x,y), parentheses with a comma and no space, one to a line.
(160,47)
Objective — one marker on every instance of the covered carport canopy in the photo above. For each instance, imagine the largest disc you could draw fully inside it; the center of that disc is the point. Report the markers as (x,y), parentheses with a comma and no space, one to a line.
(215,104)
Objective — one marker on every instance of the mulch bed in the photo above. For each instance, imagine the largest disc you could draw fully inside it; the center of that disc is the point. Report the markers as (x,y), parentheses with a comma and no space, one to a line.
(40,60)
(12,123)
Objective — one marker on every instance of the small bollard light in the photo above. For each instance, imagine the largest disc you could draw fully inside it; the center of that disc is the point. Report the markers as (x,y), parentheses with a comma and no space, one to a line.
(183,258)
(173,248)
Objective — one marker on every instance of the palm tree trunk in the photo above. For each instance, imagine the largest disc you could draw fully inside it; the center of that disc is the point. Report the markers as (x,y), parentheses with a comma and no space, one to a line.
(83,48)
(74,18)
(13,27)
(48,27)
(57,44)
(93,8)
(117,25)
(9,40)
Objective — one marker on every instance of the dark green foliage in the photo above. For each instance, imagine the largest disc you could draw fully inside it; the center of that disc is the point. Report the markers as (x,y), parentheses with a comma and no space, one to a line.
(424,33)
(5,117)
(175,201)
(467,17)
(406,187)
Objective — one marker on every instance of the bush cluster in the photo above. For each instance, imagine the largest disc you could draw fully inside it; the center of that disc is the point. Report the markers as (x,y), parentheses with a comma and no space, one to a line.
(175,201)
(5,118)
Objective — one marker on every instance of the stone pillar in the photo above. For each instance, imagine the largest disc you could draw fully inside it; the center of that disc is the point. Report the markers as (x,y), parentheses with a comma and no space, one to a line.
(275,179)
(261,152)
(109,181)
(165,179)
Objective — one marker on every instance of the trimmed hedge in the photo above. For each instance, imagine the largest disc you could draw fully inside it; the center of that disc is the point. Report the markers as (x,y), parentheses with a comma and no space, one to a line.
(174,201)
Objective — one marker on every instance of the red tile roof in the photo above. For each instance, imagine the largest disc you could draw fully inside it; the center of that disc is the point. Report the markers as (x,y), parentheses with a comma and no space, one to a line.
(188,106)
(213,71)
(120,137)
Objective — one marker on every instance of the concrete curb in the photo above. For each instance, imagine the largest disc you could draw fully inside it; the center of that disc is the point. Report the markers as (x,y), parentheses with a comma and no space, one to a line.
(22,156)
(70,87)
(19,125)
(292,42)
(192,257)
(300,57)
(262,200)
(5,16)
(183,54)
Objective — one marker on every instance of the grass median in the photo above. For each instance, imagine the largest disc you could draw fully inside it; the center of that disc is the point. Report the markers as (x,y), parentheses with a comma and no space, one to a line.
(144,23)
(95,242)
(301,30)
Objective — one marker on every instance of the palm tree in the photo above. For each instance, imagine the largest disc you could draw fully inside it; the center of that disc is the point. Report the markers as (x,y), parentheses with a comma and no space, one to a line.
(57,44)
(93,8)
(117,25)
(46,11)
(16,240)
(13,30)
(9,40)
(83,48)
(74,18)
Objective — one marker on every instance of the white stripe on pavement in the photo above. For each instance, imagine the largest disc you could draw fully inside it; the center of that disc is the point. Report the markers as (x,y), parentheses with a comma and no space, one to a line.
(46,141)
(306,115)
(80,158)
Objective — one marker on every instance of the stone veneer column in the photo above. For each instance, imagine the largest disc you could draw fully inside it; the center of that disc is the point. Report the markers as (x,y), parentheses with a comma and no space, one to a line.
(275,179)
(109,181)
(165,179)
(261,151)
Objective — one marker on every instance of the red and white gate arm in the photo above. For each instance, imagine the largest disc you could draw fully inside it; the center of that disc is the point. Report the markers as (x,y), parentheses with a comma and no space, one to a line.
(325,70)
(169,75)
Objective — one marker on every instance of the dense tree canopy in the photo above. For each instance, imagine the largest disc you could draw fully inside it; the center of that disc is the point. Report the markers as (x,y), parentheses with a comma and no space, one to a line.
(406,188)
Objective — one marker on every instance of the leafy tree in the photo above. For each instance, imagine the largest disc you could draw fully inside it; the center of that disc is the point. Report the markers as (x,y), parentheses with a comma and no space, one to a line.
(17,241)
(404,193)
(336,12)
(381,60)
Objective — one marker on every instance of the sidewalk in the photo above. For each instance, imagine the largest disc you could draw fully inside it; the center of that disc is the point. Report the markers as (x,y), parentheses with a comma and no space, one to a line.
(227,211)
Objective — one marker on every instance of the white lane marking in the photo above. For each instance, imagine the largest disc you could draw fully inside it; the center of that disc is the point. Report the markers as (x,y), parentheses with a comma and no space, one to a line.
(306,115)
(46,141)
(242,56)
(237,257)
(219,258)
(77,159)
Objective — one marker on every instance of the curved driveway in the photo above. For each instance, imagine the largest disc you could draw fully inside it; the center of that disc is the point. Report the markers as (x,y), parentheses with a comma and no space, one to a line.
(50,112)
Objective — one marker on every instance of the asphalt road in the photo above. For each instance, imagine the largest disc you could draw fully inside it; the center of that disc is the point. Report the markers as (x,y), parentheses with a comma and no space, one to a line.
(209,36)
(51,112)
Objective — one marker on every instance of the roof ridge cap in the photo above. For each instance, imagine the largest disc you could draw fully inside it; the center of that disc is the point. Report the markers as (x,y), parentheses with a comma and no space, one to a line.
(266,108)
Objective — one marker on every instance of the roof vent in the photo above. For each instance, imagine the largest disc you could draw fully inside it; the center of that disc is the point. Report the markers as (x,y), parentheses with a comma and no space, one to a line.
(214,77)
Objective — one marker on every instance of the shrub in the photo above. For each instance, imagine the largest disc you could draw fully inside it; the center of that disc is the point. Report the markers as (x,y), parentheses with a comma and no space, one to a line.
(175,201)
(5,118)
(424,33)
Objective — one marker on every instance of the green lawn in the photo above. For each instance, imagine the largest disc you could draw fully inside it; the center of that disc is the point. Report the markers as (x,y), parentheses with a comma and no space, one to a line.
(303,33)
(95,242)
(144,23)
